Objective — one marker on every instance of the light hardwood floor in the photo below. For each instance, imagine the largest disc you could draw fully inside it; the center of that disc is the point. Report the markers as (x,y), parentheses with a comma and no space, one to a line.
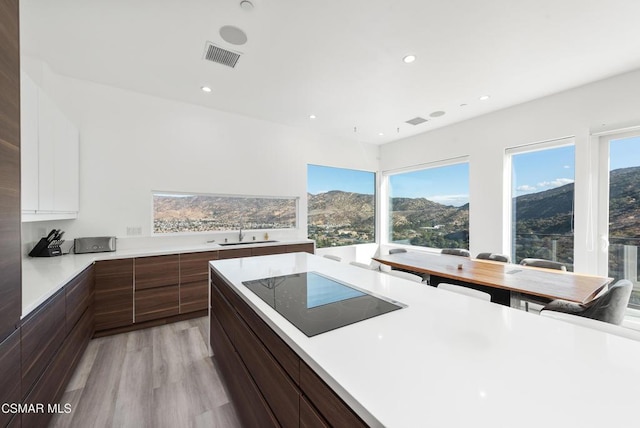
(157,377)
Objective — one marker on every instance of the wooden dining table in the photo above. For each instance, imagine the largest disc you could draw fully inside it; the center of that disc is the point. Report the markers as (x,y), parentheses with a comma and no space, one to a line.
(504,281)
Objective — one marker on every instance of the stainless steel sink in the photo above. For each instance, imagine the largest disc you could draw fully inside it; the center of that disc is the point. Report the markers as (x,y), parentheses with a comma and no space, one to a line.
(226,244)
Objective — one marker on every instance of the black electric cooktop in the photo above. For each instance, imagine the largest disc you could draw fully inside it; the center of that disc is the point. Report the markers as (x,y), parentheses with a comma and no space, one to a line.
(315,303)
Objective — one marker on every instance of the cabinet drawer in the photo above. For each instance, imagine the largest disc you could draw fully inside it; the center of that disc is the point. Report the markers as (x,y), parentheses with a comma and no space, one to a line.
(274,249)
(194,267)
(194,296)
(113,294)
(330,406)
(156,303)
(301,248)
(234,253)
(250,405)
(287,358)
(277,388)
(9,374)
(157,271)
(79,296)
(42,334)
(309,416)
(50,387)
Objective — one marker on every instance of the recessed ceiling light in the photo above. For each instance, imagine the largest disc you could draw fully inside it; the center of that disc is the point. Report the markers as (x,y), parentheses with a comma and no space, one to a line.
(381,133)
(484,97)
(409,59)
(312,116)
(206,89)
(233,35)
(437,113)
(463,105)
(246,5)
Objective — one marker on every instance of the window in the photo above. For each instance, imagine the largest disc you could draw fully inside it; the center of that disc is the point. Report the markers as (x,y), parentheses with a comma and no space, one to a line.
(430,207)
(174,212)
(620,193)
(341,206)
(542,201)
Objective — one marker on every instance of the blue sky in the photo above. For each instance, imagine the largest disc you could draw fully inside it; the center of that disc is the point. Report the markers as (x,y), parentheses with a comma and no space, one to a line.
(321,179)
(543,169)
(447,185)
(624,153)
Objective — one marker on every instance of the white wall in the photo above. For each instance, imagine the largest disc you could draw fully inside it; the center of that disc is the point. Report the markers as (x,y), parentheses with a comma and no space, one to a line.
(132,143)
(614,102)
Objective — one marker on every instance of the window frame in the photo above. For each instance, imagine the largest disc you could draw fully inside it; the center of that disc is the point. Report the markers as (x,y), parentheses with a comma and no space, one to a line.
(509,152)
(296,200)
(386,197)
(376,205)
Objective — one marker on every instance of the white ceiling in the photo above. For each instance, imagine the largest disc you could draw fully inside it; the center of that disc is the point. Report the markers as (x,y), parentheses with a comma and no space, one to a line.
(341,59)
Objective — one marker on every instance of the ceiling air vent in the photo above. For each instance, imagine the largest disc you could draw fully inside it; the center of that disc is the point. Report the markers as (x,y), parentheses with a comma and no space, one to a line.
(215,53)
(416,121)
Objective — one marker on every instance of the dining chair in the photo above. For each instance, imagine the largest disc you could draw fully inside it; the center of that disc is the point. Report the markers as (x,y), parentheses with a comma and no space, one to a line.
(397,250)
(405,275)
(493,256)
(465,290)
(368,266)
(456,252)
(609,307)
(617,330)
(332,257)
(543,263)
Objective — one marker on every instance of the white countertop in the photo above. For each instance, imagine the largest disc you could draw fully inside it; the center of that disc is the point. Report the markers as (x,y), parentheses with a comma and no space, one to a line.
(449,360)
(42,277)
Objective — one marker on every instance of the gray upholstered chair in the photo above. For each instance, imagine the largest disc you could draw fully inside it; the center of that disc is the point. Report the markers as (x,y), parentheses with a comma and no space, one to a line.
(397,250)
(629,333)
(609,307)
(543,263)
(465,290)
(456,252)
(493,256)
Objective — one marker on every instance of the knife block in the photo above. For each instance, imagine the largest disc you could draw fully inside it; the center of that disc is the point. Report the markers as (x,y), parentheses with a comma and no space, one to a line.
(45,248)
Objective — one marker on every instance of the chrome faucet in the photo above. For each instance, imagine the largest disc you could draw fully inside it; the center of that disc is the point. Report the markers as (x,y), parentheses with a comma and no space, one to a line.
(240,234)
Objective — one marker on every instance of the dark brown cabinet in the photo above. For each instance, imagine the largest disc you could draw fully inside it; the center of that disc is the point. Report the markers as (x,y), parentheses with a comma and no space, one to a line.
(157,293)
(194,280)
(42,332)
(10,374)
(10,251)
(79,296)
(113,294)
(289,390)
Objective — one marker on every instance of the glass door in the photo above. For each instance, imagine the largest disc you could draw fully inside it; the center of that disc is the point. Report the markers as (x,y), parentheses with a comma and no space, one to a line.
(620,207)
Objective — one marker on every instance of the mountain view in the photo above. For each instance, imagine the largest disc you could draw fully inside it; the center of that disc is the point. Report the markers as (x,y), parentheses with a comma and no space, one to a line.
(204,213)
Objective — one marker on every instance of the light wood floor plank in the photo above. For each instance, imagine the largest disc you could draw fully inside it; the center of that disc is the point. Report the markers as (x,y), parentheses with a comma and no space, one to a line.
(157,377)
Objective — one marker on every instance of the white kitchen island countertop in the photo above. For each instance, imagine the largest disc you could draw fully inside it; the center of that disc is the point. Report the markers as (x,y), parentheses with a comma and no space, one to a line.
(449,360)
(42,277)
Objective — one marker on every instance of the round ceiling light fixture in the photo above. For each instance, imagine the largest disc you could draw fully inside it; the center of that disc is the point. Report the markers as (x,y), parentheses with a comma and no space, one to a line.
(484,97)
(381,133)
(206,89)
(437,113)
(408,59)
(233,35)
(246,5)
(312,116)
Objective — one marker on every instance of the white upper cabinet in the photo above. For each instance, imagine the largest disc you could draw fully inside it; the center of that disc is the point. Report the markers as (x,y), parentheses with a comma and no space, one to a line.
(50,158)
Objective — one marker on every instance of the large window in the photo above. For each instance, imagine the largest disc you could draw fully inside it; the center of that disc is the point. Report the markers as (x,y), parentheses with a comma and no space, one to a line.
(341,206)
(542,201)
(173,212)
(429,207)
(621,194)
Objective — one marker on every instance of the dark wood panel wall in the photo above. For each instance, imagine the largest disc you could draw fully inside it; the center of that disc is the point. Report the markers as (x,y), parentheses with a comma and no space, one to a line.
(10,259)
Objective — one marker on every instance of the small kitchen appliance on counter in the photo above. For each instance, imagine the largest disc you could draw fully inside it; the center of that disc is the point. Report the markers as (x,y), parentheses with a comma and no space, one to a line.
(98,244)
(49,246)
